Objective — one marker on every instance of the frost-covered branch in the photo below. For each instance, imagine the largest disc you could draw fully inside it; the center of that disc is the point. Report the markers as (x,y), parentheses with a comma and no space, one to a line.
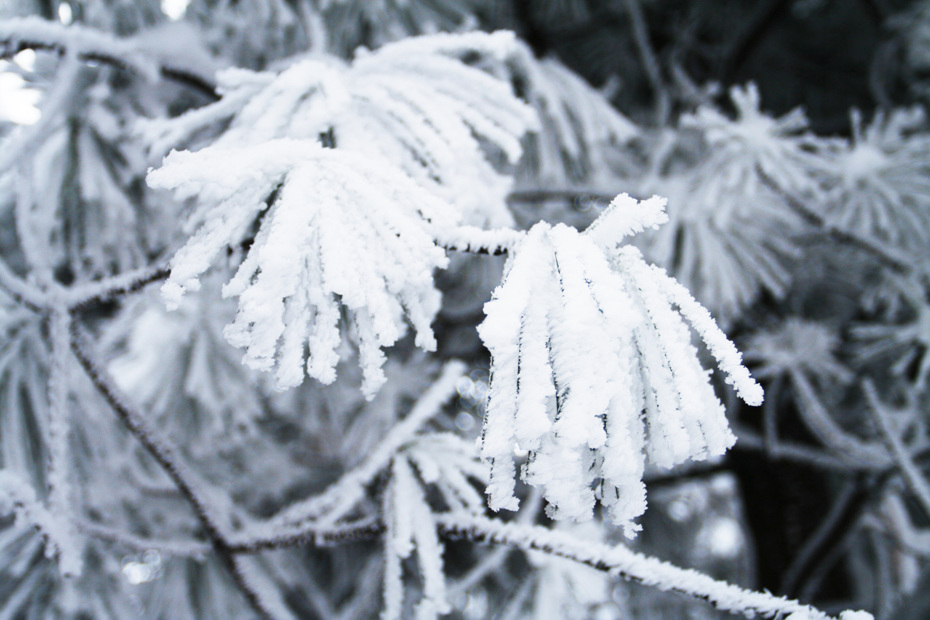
(475,240)
(60,468)
(80,296)
(167,457)
(254,541)
(147,435)
(88,44)
(568,194)
(623,562)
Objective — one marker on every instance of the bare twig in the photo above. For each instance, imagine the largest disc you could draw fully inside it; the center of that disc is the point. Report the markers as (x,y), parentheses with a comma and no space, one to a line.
(650,63)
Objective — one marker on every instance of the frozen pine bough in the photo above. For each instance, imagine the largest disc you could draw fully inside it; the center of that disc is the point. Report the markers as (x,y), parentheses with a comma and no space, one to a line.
(325,195)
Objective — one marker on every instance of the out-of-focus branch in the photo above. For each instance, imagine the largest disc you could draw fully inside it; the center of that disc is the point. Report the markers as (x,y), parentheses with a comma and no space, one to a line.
(905,463)
(890,259)
(650,63)
(89,45)
(169,460)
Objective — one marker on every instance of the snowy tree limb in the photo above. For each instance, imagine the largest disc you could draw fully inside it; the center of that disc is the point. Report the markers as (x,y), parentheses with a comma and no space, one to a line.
(633,566)
(88,44)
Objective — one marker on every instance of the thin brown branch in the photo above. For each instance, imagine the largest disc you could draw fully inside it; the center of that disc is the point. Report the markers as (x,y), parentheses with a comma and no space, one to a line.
(567,194)
(79,298)
(167,457)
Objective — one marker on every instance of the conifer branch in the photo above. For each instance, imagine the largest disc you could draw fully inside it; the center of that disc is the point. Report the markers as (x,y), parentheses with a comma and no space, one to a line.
(623,562)
(90,45)
(169,460)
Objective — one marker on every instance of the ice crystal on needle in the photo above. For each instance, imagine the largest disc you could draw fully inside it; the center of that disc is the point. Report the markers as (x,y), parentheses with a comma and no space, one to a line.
(593,370)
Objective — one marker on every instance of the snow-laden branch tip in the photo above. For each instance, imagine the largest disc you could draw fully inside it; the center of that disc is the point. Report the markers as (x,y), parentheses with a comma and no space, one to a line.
(593,370)
(343,231)
(412,103)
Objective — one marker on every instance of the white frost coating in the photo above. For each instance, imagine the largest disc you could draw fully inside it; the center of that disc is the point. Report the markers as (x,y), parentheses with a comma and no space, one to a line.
(60,468)
(593,370)
(724,351)
(412,103)
(347,230)
(77,40)
(343,231)
(622,561)
(18,497)
(412,526)
(625,217)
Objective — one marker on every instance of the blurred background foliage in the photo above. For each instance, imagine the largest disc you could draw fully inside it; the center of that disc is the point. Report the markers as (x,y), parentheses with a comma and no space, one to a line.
(806,233)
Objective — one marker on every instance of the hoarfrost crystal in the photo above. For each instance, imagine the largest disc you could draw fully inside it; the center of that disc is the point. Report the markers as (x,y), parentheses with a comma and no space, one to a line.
(593,370)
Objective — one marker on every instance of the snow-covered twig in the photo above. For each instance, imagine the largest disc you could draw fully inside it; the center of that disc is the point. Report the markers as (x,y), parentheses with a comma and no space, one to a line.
(476,240)
(59,422)
(568,194)
(88,44)
(621,561)
(150,438)
(80,296)
(167,457)
(306,534)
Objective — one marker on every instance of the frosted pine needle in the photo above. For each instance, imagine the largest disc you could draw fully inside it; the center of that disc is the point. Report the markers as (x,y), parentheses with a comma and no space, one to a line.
(593,370)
